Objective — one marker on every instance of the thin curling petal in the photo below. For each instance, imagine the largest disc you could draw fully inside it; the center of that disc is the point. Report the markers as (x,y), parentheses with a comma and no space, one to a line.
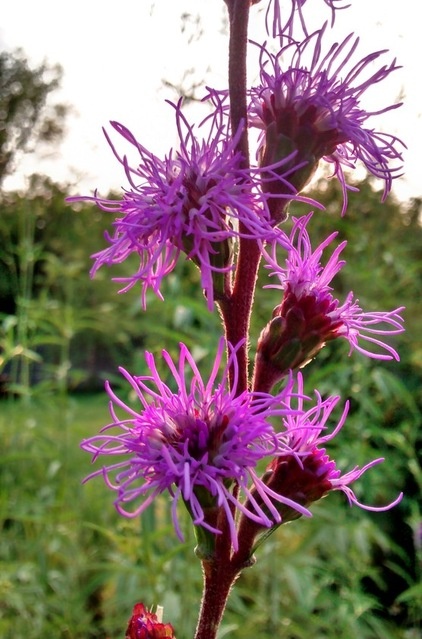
(197,442)
(309,101)
(194,201)
(280,22)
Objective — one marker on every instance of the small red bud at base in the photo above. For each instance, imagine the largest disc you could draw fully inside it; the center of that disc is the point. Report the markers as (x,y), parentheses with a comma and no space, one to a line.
(145,625)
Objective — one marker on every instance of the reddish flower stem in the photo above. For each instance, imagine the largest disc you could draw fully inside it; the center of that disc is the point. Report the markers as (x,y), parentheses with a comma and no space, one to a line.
(220,574)
(236,308)
(218,580)
(222,570)
(238,18)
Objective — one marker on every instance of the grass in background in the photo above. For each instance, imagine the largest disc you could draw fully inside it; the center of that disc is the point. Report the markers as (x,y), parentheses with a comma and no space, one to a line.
(71,568)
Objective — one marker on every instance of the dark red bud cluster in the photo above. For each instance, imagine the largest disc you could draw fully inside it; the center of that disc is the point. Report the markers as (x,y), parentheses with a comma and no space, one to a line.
(145,625)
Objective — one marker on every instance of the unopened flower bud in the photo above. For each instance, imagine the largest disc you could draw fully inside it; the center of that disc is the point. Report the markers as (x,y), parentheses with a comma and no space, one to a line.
(304,481)
(280,179)
(299,329)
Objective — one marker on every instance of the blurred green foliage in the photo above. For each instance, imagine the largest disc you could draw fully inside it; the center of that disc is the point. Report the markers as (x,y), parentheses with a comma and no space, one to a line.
(60,330)
(69,566)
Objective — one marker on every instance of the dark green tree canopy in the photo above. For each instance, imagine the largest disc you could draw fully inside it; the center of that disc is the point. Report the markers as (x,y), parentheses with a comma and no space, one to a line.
(26,117)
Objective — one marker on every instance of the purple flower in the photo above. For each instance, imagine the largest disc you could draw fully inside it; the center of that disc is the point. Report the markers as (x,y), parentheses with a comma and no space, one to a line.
(315,109)
(309,315)
(201,443)
(196,201)
(306,473)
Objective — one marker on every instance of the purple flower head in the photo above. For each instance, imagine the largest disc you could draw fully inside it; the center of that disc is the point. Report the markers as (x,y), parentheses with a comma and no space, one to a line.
(283,169)
(193,201)
(201,443)
(309,315)
(315,109)
(305,473)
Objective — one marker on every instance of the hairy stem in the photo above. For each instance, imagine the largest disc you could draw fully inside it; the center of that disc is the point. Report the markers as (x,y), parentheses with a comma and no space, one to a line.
(220,572)
(236,309)
(218,580)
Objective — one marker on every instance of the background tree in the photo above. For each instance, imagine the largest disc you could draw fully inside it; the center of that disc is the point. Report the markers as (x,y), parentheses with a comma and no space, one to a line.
(27,119)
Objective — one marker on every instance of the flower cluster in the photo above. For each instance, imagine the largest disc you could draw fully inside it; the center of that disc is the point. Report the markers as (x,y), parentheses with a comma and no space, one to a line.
(202,197)
(200,441)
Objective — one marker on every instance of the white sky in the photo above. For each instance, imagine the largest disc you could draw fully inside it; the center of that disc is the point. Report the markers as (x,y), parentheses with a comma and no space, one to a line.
(115,55)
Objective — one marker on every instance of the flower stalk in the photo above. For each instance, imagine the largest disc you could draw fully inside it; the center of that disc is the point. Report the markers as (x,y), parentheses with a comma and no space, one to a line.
(202,440)
(236,310)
